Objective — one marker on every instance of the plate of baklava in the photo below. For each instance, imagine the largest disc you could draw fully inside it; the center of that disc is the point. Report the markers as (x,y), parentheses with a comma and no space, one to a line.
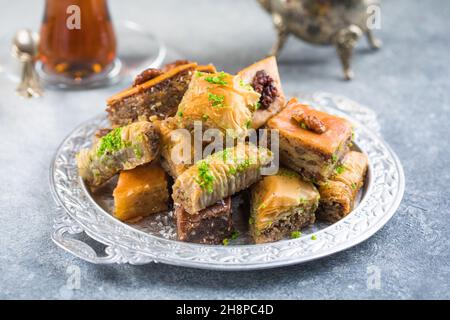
(197,167)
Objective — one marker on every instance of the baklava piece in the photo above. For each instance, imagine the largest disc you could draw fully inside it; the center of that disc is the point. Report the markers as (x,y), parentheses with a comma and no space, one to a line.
(140,192)
(264,78)
(281,204)
(312,142)
(337,195)
(123,148)
(173,146)
(219,175)
(208,226)
(155,93)
(218,101)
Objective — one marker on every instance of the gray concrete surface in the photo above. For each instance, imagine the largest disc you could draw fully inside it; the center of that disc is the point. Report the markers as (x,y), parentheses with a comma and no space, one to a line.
(407,83)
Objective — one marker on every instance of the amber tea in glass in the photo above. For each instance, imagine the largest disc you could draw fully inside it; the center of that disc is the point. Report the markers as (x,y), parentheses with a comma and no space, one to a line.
(77,39)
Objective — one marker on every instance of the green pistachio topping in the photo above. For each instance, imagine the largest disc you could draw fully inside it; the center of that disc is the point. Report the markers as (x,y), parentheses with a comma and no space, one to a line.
(234,235)
(339,169)
(296,234)
(217,101)
(180,114)
(313,237)
(205,178)
(137,151)
(226,242)
(110,143)
(218,79)
(334,158)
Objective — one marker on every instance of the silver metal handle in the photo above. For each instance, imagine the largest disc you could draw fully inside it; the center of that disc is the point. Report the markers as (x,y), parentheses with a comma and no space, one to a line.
(64,230)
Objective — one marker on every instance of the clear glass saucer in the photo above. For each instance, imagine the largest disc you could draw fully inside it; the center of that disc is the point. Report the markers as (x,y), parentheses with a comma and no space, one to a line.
(137,49)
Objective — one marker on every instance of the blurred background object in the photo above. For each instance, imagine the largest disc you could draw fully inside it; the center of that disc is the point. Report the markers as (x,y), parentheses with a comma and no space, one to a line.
(77,40)
(325,22)
(24,48)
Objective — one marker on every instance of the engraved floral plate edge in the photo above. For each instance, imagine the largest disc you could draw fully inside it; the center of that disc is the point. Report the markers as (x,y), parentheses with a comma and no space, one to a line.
(125,244)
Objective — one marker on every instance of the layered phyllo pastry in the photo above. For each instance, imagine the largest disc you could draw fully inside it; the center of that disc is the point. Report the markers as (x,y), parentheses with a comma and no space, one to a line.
(264,78)
(155,93)
(338,194)
(312,142)
(208,226)
(218,100)
(123,148)
(140,192)
(173,148)
(280,205)
(220,175)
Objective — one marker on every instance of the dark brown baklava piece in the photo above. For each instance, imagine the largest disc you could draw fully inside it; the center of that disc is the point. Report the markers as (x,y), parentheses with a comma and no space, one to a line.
(208,226)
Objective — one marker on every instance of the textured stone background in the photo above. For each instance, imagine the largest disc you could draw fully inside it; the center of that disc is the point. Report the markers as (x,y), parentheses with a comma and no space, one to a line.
(407,83)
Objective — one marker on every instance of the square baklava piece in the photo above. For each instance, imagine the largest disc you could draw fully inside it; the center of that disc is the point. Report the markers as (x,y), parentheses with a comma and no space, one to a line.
(338,195)
(312,142)
(282,204)
(208,226)
(140,192)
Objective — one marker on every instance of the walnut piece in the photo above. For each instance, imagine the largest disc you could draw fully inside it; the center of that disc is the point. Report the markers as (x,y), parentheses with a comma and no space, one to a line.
(309,122)
(146,75)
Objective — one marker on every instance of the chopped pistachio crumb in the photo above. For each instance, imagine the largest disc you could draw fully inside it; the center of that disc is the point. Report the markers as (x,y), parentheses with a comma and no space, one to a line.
(313,237)
(339,169)
(334,158)
(262,206)
(232,171)
(302,200)
(137,151)
(205,178)
(257,105)
(205,117)
(198,74)
(303,126)
(180,114)
(251,220)
(354,186)
(248,124)
(217,101)
(296,234)
(226,242)
(111,142)
(218,79)
(243,165)
(234,235)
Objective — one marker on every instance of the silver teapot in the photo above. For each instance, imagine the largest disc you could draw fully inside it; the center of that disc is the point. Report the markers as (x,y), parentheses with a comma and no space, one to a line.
(325,22)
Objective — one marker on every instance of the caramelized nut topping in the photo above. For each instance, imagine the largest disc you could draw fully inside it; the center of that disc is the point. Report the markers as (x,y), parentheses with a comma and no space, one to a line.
(309,122)
(264,85)
(146,75)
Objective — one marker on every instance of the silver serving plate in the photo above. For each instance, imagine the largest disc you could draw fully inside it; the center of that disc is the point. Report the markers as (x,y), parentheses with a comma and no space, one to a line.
(153,240)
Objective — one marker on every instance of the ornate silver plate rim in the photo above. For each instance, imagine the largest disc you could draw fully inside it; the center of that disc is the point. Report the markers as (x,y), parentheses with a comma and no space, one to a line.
(125,244)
